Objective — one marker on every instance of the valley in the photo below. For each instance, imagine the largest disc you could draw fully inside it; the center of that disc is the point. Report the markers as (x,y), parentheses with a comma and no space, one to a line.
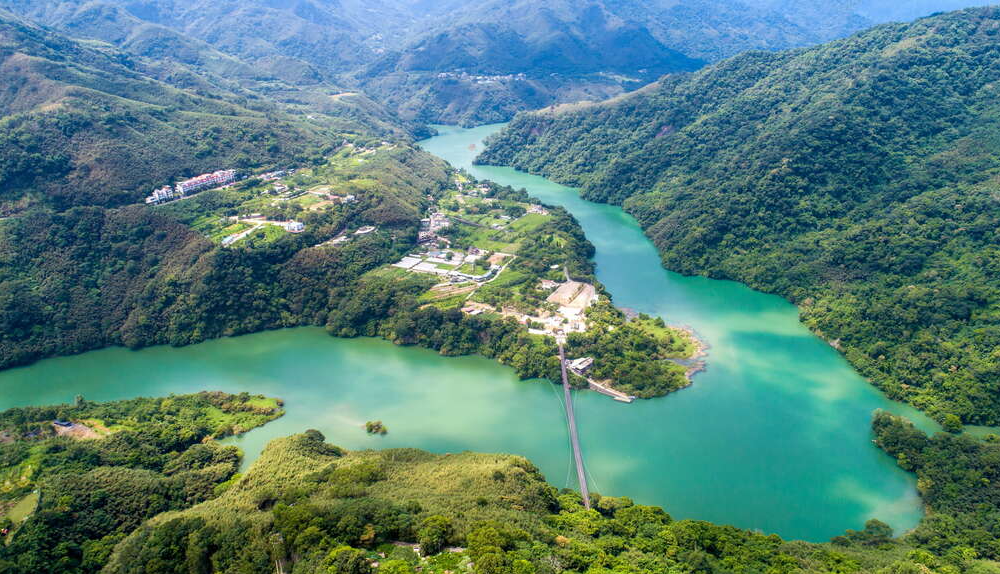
(716,280)
(782,402)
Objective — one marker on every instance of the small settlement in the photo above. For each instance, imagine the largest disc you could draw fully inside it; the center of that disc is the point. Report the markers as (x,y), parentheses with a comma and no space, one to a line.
(264,207)
(191,186)
(493,253)
(470,238)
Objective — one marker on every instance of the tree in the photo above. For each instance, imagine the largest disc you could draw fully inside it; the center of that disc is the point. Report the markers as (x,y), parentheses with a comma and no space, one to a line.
(952,423)
(433,534)
(347,560)
(395,567)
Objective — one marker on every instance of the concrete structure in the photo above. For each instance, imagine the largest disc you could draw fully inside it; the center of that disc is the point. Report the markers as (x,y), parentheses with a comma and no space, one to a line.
(294,226)
(272,175)
(430,268)
(407,262)
(581,474)
(164,194)
(574,295)
(581,365)
(364,230)
(205,181)
(230,239)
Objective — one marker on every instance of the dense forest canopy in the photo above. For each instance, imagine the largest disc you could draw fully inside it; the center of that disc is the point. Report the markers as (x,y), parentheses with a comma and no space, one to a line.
(87,124)
(857,179)
(93,472)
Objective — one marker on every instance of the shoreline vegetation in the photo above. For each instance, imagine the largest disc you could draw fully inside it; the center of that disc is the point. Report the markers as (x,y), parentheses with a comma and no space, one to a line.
(309,506)
(67,495)
(452,264)
(888,245)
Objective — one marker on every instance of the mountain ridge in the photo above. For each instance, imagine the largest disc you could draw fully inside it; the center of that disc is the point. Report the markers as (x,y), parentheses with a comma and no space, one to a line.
(853,178)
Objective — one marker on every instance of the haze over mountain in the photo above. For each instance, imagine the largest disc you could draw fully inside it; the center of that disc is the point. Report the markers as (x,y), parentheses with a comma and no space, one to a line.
(419,56)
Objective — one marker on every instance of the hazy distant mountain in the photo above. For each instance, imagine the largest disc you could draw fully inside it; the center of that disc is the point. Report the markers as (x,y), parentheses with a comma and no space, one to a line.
(522,55)
(416,55)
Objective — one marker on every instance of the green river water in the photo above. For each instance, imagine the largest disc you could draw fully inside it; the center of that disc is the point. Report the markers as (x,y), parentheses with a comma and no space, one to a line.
(774,435)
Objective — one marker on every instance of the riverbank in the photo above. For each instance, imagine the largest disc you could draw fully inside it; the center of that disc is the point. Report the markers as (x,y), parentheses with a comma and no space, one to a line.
(754,438)
(774,436)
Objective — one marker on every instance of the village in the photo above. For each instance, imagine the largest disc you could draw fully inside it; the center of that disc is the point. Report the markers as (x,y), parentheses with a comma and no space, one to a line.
(469,241)
(257,209)
(487,251)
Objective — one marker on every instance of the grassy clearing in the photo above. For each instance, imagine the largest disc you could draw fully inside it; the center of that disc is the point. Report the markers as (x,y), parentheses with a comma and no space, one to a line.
(23,508)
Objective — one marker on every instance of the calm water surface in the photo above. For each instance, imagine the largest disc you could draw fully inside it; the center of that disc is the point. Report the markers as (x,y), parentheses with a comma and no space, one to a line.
(773,436)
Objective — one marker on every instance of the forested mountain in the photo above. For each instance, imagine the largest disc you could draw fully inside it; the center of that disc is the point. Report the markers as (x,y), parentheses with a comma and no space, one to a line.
(447,61)
(523,55)
(86,124)
(857,179)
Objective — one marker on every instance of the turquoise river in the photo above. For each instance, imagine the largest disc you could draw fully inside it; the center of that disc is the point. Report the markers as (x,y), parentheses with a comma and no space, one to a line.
(774,435)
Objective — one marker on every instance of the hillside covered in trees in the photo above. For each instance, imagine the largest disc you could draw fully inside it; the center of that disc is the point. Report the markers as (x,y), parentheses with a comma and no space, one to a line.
(307,506)
(87,124)
(453,62)
(75,479)
(90,277)
(857,179)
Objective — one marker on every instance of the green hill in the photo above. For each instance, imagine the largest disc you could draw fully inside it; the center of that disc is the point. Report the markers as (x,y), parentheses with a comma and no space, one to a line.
(307,506)
(91,277)
(141,486)
(86,124)
(857,179)
(397,50)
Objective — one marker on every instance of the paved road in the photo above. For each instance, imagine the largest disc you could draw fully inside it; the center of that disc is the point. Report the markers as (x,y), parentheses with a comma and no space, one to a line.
(571,417)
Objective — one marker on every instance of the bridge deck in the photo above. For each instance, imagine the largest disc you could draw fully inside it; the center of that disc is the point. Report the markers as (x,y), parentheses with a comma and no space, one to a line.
(573,437)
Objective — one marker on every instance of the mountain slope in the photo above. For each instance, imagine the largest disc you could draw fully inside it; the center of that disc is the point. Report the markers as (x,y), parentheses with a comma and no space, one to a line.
(520,55)
(454,62)
(87,124)
(307,506)
(858,179)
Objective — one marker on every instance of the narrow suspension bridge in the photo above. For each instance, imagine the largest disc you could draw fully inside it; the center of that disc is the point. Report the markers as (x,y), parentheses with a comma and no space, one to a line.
(581,475)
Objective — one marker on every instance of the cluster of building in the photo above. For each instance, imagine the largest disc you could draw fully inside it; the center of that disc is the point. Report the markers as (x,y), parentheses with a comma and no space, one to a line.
(481,78)
(430,226)
(572,298)
(165,193)
(193,185)
(273,175)
(206,181)
(478,190)
(447,262)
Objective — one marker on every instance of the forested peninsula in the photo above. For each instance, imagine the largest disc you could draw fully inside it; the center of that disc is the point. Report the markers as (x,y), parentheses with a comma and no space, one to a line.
(857,179)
